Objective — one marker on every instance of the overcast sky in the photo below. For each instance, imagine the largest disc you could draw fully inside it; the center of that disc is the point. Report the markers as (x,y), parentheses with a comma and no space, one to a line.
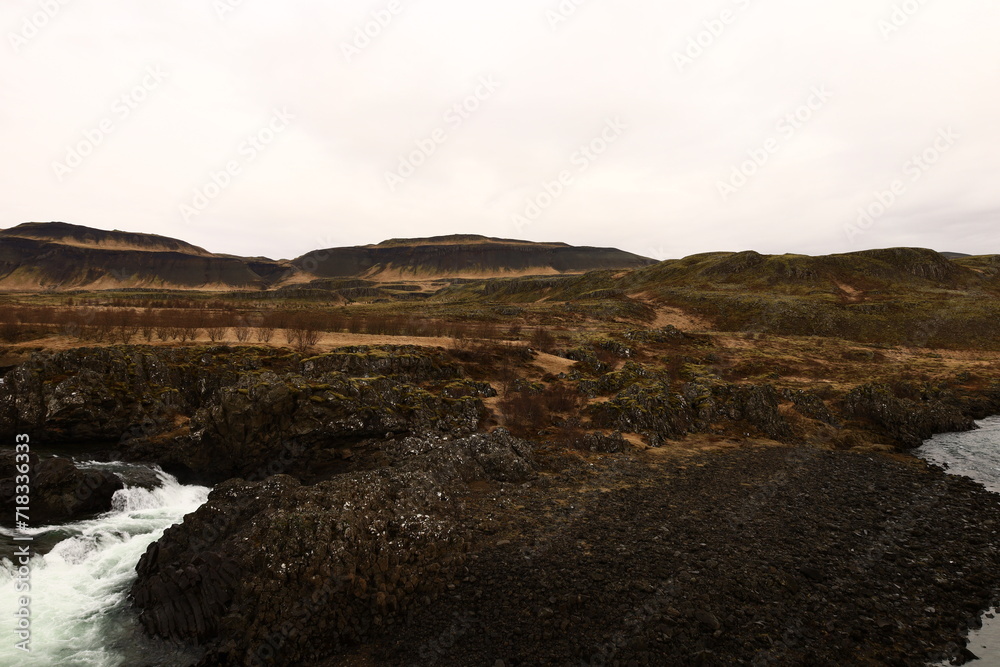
(663,128)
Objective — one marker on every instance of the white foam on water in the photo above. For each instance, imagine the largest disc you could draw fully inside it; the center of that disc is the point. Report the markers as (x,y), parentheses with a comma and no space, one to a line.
(79,589)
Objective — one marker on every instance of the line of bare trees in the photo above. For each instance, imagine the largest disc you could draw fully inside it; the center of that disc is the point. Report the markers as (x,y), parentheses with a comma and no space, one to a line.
(302,328)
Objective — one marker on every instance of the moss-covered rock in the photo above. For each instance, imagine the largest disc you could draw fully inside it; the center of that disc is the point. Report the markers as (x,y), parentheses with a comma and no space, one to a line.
(652,409)
(404,362)
(909,419)
(252,422)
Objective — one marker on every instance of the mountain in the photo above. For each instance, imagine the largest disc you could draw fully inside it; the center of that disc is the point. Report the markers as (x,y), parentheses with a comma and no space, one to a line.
(87,237)
(59,256)
(463,256)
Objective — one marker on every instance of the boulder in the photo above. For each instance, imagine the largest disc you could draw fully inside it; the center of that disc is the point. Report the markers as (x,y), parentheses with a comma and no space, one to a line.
(59,490)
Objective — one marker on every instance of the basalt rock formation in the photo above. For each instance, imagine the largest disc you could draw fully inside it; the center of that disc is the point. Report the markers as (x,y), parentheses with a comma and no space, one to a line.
(114,393)
(254,422)
(917,415)
(276,568)
(210,413)
(650,408)
(59,490)
(207,414)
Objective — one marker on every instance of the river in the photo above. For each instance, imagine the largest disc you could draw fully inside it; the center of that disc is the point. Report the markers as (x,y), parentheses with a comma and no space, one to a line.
(79,587)
(975,454)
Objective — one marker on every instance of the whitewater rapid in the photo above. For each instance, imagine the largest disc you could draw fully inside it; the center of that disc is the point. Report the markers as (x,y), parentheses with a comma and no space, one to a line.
(974,454)
(80,615)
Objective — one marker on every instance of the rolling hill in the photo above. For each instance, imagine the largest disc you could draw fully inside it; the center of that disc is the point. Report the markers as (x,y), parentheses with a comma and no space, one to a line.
(463,256)
(57,256)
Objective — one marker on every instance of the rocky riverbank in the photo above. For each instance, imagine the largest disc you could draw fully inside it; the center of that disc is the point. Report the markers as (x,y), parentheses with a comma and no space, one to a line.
(460,554)
(751,555)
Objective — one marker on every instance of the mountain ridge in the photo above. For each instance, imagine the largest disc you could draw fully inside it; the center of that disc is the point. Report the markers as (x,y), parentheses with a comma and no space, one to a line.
(59,256)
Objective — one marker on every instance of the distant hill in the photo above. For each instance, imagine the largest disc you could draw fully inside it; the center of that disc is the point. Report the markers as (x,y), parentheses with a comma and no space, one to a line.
(849,273)
(88,237)
(59,256)
(463,256)
(912,296)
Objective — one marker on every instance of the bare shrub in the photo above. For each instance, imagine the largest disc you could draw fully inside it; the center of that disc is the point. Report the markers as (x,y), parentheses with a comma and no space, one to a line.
(524,414)
(216,329)
(124,325)
(542,339)
(562,398)
(147,324)
(10,329)
(265,334)
(303,332)
(242,330)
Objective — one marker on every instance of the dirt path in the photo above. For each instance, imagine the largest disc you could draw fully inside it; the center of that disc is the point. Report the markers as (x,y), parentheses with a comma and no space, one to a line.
(668,315)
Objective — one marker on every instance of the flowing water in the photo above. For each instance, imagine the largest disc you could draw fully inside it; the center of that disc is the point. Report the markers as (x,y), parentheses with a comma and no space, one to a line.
(79,587)
(974,454)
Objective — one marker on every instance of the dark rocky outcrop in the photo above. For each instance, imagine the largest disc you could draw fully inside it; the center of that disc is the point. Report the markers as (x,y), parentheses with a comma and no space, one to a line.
(278,571)
(112,393)
(254,421)
(207,414)
(601,443)
(406,363)
(811,406)
(908,414)
(652,409)
(59,490)
(615,381)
